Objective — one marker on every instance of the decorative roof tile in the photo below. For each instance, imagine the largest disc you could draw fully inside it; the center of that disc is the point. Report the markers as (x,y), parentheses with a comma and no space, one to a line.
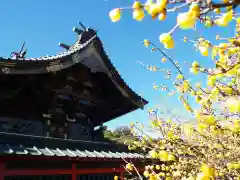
(65,148)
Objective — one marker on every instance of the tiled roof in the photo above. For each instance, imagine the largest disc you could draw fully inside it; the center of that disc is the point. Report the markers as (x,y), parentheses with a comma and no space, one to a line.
(88,45)
(38,65)
(7,149)
(15,144)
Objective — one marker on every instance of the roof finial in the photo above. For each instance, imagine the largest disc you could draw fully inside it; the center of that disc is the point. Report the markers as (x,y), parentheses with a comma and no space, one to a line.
(82,26)
(78,31)
(20,54)
(65,46)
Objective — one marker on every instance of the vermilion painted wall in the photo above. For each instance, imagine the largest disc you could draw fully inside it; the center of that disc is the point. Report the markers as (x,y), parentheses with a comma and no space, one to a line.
(73,171)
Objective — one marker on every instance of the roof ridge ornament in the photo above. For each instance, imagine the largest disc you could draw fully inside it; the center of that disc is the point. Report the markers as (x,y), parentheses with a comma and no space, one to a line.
(82,26)
(21,54)
(78,31)
(65,46)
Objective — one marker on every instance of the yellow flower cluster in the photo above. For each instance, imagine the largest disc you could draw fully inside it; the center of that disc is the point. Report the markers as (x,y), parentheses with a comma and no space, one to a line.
(129,166)
(161,171)
(206,173)
(188,19)
(167,40)
(225,19)
(162,155)
(115,14)
(208,149)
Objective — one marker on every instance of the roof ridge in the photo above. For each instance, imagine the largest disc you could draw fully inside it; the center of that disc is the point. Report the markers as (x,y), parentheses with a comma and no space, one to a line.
(58,55)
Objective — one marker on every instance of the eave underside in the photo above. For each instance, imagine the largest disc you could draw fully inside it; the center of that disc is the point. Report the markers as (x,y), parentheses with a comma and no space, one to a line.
(29,96)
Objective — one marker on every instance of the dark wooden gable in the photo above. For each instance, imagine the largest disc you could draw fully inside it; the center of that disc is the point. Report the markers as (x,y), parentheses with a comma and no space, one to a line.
(80,83)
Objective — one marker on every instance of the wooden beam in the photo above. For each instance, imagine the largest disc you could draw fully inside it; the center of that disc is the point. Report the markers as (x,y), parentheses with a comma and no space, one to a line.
(61,158)
(35,172)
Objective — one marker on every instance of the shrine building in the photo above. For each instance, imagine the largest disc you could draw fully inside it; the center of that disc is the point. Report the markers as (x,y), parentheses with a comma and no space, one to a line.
(52,112)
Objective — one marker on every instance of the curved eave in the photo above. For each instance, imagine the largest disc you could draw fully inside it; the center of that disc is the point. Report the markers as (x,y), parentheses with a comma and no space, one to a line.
(65,60)
(116,77)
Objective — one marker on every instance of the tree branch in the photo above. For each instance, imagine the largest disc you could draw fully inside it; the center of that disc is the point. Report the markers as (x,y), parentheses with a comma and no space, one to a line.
(235,3)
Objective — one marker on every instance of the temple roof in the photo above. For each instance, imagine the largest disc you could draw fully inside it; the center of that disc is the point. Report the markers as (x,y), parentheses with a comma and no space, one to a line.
(87,52)
(18,145)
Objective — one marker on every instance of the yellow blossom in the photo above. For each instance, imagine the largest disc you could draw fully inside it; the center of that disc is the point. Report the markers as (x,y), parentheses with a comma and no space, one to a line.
(217,10)
(223,46)
(167,40)
(147,5)
(188,130)
(180,76)
(208,171)
(115,15)
(209,120)
(146,42)
(129,166)
(225,19)
(233,105)
(198,99)
(211,80)
(200,176)
(146,174)
(137,5)
(236,166)
(169,45)
(186,85)
(229,8)
(214,52)
(169,121)
(164,59)
(168,177)
(201,127)
(162,16)
(138,14)
(152,177)
(153,154)
(194,70)
(203,50)
(155,8)
(186,21)
(230,166)
(170,134)
(115,178)
(237,20)
(198,85)
(195,64)
(171,157)
(194,10)
(176,173)
(163,155)
(208,22)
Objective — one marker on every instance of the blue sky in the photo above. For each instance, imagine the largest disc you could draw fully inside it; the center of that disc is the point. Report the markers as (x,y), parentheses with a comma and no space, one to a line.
(42,24)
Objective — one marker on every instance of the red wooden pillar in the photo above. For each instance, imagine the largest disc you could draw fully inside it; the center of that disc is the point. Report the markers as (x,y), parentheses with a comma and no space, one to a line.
(74,171)
(122,174)
(2,169)
(122,170)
